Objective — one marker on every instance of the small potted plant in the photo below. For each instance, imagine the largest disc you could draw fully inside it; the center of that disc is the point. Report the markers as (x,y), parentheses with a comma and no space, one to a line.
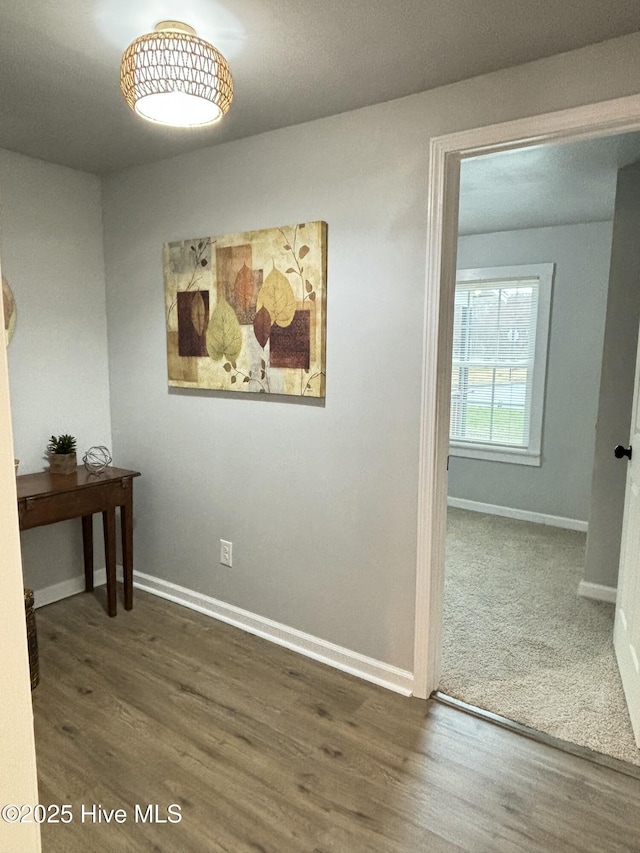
(62,454)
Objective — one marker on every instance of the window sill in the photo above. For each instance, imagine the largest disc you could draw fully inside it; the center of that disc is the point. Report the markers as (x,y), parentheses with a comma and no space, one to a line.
(495,454)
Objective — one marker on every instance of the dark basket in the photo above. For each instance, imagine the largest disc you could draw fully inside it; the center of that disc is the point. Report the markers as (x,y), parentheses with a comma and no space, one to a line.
(32,638)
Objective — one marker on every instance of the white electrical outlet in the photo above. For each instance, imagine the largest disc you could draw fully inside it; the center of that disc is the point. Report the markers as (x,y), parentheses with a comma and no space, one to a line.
(226,553)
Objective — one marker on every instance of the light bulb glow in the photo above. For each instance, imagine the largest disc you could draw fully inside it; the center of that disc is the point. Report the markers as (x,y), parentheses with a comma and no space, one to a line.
(178,109)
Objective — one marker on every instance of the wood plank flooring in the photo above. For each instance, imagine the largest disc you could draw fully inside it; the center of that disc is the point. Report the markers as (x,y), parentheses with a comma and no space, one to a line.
(267,751)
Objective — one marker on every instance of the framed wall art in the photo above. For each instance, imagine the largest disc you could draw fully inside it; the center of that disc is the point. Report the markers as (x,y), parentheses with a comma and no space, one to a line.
(247,312)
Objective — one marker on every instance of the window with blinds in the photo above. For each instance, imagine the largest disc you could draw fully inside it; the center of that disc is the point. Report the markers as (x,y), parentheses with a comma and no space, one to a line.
(499,359)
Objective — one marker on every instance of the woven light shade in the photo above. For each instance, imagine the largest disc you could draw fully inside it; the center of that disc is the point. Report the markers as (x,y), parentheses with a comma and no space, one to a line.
(173,77)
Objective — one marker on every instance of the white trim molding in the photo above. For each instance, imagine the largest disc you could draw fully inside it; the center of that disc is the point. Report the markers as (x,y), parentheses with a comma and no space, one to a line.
(445,153)
(597,591)
(369,669)
(489,453)
(65,589)
(519,514)
(346,660)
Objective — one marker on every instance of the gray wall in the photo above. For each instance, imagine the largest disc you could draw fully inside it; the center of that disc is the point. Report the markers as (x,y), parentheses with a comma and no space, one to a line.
(319,501)
(52,256)
(561,485)
(616,388)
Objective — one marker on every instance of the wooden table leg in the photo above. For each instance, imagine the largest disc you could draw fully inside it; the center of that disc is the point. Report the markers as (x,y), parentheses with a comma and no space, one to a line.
(109,525)
(126,523)
(87,547)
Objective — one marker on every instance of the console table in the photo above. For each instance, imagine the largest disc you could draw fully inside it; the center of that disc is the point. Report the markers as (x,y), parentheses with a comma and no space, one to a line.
(46,498)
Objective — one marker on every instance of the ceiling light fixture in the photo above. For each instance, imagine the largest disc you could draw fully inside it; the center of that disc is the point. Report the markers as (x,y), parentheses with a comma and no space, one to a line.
(173,77)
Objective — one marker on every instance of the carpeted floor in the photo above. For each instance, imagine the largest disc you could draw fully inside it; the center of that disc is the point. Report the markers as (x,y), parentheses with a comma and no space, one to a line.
(520,642)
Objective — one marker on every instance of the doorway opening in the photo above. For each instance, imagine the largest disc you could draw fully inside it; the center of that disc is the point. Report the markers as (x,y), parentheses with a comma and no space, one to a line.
(614,117)
(528,347)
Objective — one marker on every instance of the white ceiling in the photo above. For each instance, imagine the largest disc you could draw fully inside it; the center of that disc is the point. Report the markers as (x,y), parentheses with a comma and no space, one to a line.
(544,185)
(292,61)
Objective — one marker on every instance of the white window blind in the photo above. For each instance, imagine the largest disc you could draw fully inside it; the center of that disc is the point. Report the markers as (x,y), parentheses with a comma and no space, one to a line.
(498,355)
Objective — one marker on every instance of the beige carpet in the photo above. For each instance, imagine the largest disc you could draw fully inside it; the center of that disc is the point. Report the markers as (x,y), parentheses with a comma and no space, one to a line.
(520,642)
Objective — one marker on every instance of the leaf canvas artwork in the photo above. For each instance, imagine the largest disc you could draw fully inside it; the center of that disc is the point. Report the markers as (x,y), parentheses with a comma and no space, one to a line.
(247,312)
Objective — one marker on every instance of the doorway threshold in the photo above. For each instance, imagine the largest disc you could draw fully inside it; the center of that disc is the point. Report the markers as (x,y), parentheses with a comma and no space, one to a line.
(599,758)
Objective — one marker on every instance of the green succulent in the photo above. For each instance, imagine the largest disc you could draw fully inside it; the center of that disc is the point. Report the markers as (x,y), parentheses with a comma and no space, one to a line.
(61,444)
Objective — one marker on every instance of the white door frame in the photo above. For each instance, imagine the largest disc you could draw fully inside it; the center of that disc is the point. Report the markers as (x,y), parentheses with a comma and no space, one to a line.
(19,781)
(445,153)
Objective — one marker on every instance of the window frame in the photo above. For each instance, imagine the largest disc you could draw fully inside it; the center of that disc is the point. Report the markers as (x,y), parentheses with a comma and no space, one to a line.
(491,451)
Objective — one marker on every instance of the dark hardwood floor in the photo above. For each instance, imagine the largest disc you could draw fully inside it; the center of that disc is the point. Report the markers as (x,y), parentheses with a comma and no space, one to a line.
(264,750)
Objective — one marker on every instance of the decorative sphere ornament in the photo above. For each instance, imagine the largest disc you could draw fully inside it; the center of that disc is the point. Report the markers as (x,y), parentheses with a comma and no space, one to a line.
(96,459)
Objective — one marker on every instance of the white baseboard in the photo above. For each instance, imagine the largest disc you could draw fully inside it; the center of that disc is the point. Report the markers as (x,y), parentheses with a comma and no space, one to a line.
(399,680)
(520,514)
(375,671)
(597,591)
(70,587)
(63,590)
